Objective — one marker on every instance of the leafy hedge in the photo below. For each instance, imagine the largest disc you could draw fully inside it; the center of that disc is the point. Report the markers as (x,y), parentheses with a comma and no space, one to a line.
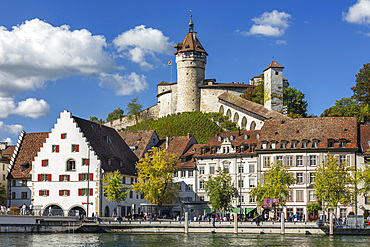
(198,124)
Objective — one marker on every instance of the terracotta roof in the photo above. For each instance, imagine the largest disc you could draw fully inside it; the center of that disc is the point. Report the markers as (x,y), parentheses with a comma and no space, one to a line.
(108,144)
(273,64)
(163,83)
(365,138)
(189,163)
(190,43)
(309,129)
(29,147)
(8,152)
(250,107)
(139,139)
(178,145)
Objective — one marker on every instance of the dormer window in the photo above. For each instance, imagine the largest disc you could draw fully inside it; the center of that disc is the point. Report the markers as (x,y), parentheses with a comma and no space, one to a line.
(305,144)
(315,144)
(343,143)
(231,138)
(294,144)
(264,145)
(283,144)
(258,136)
(246,137)
(219,138)
(273,145)
(330,143)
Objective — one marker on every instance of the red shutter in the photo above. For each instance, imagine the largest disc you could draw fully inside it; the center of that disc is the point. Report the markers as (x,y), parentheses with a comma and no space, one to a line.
(77,149)
(80,177)
(39,177)
(47,193)
(91,192)
(67,192)
(87,162)
(43,163)
(49,177)
(91,175)
(57,148)
(60,192)
(68,177)
(60,177)
(61,136)
(79,192)
(40,192)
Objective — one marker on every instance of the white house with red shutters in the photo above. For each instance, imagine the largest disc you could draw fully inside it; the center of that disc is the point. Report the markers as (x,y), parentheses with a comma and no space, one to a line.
(68,170)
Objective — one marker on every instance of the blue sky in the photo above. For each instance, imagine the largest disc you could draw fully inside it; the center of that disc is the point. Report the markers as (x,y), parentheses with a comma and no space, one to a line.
(91,57)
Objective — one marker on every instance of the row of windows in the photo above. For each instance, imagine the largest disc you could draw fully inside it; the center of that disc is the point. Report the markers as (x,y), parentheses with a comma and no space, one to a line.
(75,148)
(188,187)
(64,178)
(300,160)
(182,174)
(226,167)
(299,196)
(81,192)
(24,195)
(85,162)
(294,144)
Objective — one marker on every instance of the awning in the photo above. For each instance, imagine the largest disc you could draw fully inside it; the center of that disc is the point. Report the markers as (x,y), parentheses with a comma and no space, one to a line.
(236,210)
(208,210)
(248,210)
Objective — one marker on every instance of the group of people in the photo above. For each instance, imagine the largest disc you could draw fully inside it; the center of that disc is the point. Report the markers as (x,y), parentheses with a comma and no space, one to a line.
(23,210)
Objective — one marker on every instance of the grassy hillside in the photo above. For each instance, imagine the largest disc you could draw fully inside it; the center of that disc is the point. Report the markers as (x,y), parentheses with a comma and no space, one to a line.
(198,124)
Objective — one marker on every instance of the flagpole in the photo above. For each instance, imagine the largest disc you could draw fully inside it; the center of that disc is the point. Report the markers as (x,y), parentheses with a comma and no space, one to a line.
(171,72)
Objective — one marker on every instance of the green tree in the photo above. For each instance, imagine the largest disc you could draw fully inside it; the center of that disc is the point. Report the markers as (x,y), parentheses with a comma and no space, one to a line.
(2,194)
(134,109)
(221,190)
(333,182)
(313,208)
(155,177)
(345,107)
(294,100)
(96,120)
(275,184)
(363,176)
(116,114)
(255,95)
(361,92)
(113,187)
(229,126)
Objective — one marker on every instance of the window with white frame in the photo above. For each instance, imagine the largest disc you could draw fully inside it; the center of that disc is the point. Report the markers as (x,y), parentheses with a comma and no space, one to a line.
(201,169)
(241,198)
(191,173)
(264,145)
(64,192)
(299,160)
(279,159)
(251,168)
(226,168)
(71,165)
(189,187)
(183,173)
(241,169)
(290,196)
(312,177)
(240,183)
(283,144)
(304,144)
(252,183)
(342,158)
(315,144)
(312,160)
(252,199)
(343,212)
(294,144)
(299,195)
(289,160)
(299,177)
(266,161)
(343,144)
(201,185)
(44,177)
(211,169)
(311,195)
(273,145)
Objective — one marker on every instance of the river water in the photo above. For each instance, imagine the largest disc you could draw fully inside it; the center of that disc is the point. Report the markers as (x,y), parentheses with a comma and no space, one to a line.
(169,240)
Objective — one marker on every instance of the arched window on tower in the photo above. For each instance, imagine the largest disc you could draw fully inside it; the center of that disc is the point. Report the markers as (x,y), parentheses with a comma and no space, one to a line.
(253,125)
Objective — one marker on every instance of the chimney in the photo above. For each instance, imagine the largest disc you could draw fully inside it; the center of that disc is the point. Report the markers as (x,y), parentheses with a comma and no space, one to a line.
(167,141)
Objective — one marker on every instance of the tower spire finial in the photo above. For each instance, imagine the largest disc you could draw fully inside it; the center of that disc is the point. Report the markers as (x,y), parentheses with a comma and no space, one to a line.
(191,24)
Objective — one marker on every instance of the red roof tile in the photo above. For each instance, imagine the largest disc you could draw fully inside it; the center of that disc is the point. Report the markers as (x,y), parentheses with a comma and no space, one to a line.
(139,139)
(274,64)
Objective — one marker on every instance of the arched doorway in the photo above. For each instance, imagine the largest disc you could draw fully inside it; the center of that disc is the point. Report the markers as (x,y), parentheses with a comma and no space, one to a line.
(106,211)
(53,210)
(236,117)
(244,123)
(253,126)
(76,211)
(221,110)
(228,113)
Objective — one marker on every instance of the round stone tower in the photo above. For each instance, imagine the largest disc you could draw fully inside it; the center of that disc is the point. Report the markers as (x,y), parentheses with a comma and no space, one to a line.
(191,59)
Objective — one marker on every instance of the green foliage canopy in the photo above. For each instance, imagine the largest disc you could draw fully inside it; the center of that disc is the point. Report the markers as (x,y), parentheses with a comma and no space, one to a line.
(294,100)
(2,194)
(113,187)
(155,177)
(361,92)
(221,190)
(116,114)
(313,208)
(275,184)
(363,177)
(134,108)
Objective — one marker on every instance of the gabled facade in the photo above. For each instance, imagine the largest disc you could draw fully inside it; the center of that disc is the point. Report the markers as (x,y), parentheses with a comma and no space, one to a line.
(140,141)
(68,170)
(6,153)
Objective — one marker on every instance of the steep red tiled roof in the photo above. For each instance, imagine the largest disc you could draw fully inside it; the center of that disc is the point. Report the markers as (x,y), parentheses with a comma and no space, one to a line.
(178,145)
(250,107)
(190,43)
(300,129)
(8,152)
(365,138)
(163,83)
(139,139)
(30,146)
(189,163)
(274,64)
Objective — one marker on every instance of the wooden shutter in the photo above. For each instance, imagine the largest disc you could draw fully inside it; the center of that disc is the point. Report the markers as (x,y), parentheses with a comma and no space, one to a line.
(40,192)
(68,177)
(39,177)
(60,192)
(90,192)
(91,176)
(87,162)
(61,136)
(57,148)
(80,177)
(47,193)
(77,149)
(60,177)
(68,192)
(43,163)
(79,192)
(49,177)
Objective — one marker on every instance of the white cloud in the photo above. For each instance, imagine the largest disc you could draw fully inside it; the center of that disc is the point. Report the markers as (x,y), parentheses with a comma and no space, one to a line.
(123,85)
(140,43)
(359,13)
(8,140)
(32,108)
(280,42)
(11,129)
(269,24)
(36,51)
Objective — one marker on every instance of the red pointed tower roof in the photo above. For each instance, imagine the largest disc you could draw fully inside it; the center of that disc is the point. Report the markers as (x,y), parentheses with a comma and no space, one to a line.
(273,64)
